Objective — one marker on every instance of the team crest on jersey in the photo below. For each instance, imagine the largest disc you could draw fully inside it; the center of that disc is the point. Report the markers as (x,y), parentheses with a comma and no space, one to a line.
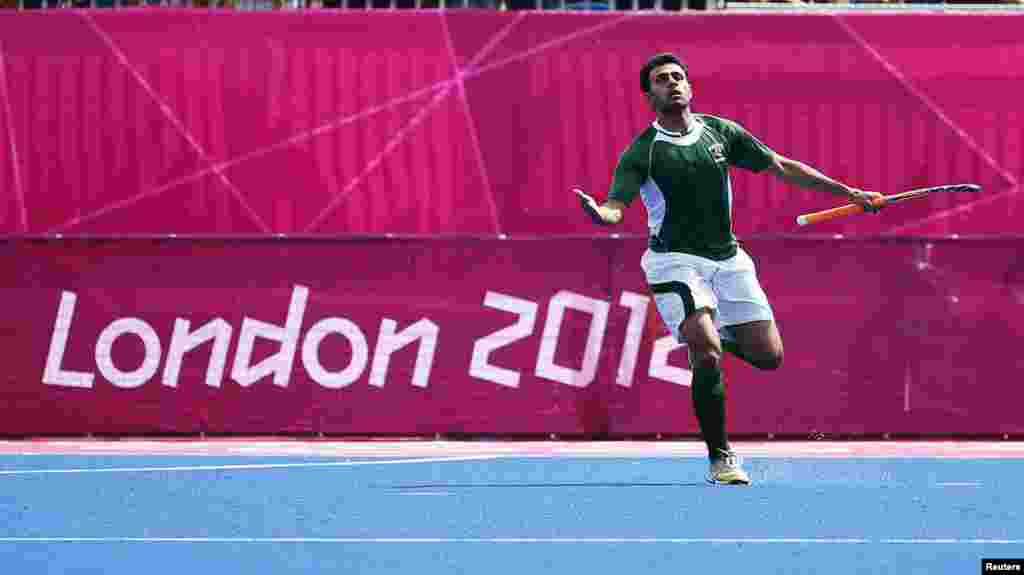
(717,153)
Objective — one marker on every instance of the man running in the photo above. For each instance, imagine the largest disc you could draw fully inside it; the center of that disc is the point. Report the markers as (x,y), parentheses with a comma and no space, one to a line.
(704,285)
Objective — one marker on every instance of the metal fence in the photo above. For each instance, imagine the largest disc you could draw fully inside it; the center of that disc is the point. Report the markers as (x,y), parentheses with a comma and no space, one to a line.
(581,5)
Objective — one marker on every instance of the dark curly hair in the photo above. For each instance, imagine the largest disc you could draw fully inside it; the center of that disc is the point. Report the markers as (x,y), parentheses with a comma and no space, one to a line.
(654,62)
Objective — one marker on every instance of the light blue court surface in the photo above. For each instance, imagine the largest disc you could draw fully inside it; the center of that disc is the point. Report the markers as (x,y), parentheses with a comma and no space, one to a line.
(499,514)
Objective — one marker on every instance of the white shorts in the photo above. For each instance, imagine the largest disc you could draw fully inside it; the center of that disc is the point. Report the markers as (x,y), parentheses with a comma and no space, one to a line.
(683,283)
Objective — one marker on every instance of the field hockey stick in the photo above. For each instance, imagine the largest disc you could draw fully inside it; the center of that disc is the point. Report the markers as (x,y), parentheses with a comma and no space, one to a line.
(849,209)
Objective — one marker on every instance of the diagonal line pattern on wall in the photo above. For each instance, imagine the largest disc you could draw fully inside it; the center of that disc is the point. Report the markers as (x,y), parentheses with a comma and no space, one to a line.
(924,99)
(966,138)
(444,87)
(255,154)
(173,119)
(19,191)
(393,142)
(399,137)
(553,43)
(957,210)
(488,47)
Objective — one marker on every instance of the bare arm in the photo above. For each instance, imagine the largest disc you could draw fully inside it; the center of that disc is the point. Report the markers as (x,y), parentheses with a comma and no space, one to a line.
(800,174)
(608,213)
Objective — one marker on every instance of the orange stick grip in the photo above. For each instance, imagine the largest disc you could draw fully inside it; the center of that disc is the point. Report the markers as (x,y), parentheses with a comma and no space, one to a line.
(825,215)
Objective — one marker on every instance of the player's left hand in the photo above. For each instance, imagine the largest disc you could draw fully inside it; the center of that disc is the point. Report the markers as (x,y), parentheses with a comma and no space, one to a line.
(589,205)
(872,202)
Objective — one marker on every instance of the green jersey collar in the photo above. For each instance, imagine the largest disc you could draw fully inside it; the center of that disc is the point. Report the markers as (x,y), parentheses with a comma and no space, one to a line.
(679,138)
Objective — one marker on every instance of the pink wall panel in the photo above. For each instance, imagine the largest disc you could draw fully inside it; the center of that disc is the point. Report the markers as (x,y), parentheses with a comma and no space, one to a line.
(478,122)
(466,125)
(515,337)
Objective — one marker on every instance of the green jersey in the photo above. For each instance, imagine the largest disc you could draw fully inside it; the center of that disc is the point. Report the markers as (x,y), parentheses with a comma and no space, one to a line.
(683,180)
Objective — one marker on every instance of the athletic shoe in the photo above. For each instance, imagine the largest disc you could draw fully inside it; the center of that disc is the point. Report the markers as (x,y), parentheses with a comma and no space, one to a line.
(725,470)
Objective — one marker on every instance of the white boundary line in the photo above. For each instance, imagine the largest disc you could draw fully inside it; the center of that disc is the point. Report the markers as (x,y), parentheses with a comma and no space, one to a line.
(897,450)
(520,540)
(247,466)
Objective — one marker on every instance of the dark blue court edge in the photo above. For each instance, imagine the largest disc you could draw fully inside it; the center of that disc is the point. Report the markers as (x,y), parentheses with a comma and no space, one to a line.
(1002,566)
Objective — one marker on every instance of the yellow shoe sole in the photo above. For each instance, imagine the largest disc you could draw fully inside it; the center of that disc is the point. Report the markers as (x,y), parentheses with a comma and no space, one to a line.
(729,479)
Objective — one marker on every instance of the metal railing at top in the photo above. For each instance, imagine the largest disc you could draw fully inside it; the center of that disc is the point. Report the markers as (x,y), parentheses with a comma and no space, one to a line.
(253,5)
(582,5)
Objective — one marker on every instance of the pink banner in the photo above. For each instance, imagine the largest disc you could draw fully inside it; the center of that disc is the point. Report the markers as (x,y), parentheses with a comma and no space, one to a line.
(475,122)
(493,337)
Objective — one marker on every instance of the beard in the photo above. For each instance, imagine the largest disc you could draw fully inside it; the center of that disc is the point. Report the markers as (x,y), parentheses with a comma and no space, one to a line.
(670,106)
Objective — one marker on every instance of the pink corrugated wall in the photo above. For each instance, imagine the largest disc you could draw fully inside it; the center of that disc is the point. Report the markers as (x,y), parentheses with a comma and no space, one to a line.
(490,336)
(475,122)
